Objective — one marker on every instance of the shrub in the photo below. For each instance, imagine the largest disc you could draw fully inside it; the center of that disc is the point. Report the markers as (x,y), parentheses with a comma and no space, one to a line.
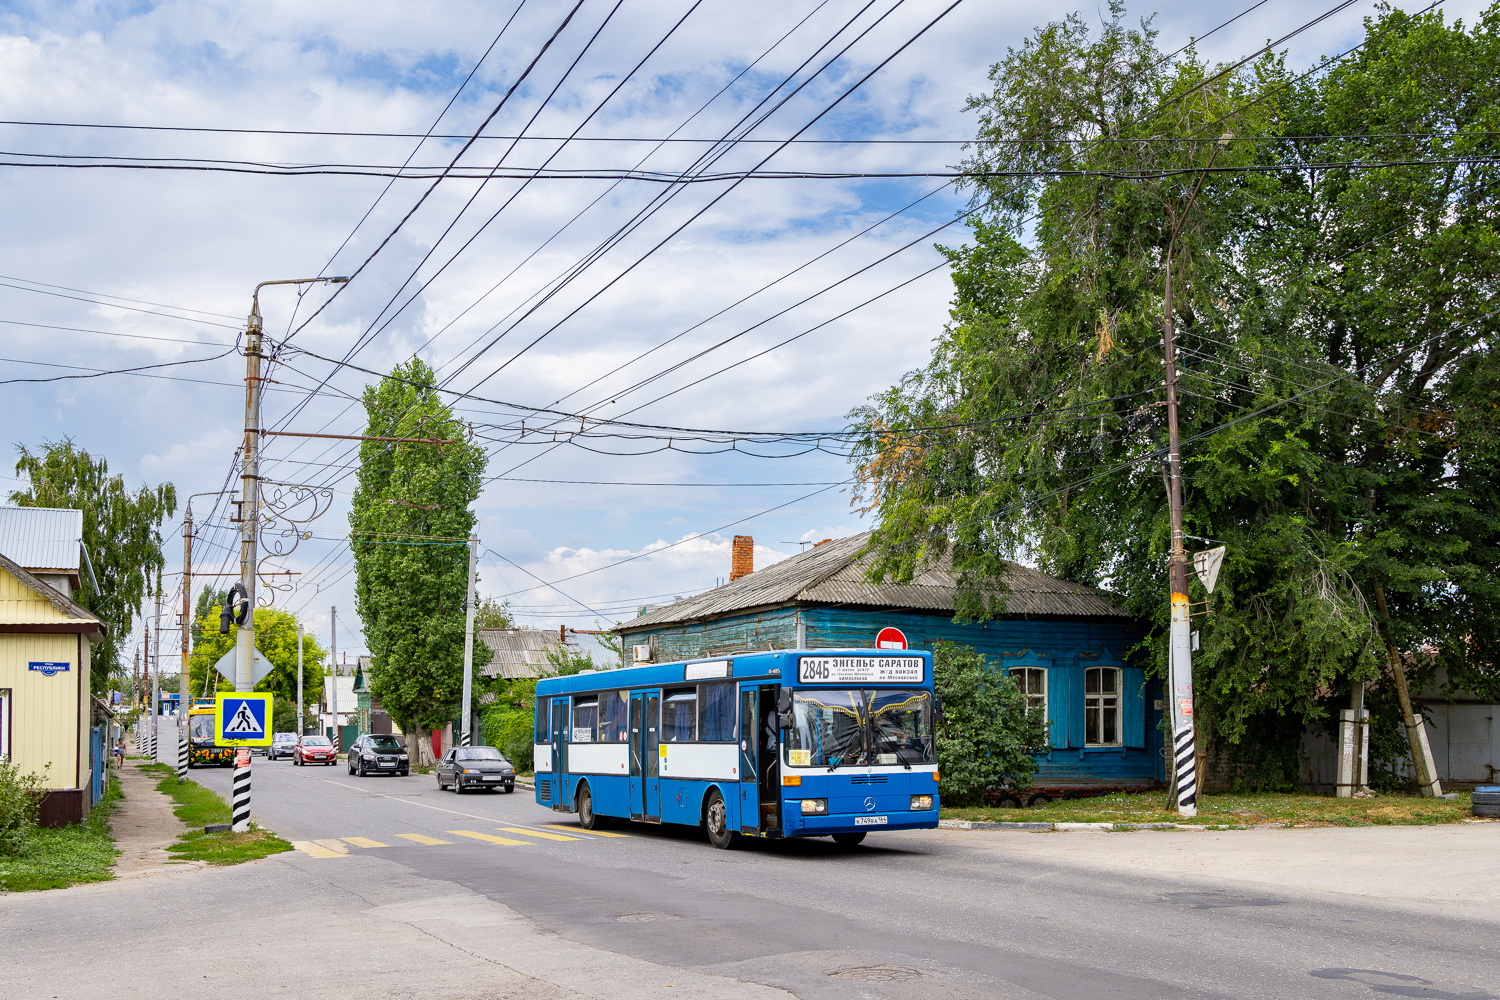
(20,801)
(986,737)
(510,731)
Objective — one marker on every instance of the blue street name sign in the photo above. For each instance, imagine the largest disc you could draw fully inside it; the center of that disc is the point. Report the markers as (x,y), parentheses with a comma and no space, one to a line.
(48,669)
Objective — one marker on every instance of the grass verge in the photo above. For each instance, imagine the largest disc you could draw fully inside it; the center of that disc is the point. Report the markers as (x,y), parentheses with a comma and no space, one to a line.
(1250,809)
(198,807)
(68,855)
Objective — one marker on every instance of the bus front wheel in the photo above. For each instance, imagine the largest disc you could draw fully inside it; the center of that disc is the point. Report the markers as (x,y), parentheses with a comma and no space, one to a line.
(586,817)
(716,822)
(849,839)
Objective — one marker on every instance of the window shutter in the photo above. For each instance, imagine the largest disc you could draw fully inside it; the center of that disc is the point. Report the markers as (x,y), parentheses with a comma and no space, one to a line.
(1133,706)
(1073,705)
(1058,708)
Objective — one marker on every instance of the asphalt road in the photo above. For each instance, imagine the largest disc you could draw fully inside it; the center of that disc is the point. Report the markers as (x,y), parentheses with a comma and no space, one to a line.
(906,914)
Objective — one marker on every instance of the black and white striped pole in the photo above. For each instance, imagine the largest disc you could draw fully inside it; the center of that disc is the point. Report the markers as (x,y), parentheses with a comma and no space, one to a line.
(466,719)
(239,801)
(1179,646)
(182,751)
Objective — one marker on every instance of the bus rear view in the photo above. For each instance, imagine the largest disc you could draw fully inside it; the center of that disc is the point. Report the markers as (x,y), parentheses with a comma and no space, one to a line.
(783,744)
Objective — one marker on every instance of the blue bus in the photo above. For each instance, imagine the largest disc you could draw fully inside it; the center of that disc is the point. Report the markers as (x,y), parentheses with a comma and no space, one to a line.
(794,743)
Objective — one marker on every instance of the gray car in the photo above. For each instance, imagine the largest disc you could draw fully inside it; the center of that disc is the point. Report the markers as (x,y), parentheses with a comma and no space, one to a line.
(282,745)
(463,768)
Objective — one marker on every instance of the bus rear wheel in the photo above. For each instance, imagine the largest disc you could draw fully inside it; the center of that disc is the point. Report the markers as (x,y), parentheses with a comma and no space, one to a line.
(849,839)
(716,822)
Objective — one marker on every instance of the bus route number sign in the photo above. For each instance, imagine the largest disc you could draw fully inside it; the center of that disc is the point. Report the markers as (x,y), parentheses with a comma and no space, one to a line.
(860,670)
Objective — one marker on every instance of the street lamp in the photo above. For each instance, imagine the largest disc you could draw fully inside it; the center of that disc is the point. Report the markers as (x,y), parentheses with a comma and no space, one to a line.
(244,672)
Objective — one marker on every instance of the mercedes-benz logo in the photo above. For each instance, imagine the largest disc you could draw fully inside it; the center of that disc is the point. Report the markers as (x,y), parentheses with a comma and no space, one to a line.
(869,803)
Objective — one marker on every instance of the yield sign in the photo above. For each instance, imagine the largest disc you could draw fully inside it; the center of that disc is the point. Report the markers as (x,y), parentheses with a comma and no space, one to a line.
(259,667)
(1206,564)
(890,638)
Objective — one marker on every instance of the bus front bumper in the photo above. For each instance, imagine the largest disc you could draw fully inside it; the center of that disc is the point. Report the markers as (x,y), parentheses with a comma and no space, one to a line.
(798,825)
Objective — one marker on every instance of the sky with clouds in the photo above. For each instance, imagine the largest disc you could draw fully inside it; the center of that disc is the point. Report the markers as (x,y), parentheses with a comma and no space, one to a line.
(767,304)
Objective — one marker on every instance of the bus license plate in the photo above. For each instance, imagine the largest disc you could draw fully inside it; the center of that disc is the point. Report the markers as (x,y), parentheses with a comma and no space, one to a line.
(870,820)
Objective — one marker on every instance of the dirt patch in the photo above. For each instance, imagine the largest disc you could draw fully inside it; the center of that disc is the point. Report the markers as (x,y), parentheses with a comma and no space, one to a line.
(143,825)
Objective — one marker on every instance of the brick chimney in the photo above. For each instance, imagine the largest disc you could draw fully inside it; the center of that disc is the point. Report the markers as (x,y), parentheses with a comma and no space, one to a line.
(742,563)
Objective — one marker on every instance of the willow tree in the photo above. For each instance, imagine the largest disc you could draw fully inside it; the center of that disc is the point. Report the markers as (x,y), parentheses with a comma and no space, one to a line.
(1332,249)
(121,529)
(409,522)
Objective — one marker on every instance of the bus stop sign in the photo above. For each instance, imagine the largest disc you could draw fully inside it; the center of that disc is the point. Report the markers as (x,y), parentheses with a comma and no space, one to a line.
(890,638)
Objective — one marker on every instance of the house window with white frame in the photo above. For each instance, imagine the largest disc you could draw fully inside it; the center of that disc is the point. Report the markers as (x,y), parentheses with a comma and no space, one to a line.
(1101,701)
(1032,682)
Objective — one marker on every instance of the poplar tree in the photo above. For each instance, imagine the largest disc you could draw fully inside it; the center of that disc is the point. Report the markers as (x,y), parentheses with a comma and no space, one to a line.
(409,522)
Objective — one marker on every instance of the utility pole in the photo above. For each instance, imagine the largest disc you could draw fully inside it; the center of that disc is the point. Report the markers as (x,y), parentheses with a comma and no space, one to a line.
(244,665)
(299,680)
(466,720)
(333,687)
(156,684)
(187,633)
(1179,646)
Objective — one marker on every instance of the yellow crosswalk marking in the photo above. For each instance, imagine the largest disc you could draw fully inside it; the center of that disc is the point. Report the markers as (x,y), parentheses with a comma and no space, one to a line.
(316,850)
(363,842)
(490,838)
(423,839)
(579,829)
(534,833)
(332,845)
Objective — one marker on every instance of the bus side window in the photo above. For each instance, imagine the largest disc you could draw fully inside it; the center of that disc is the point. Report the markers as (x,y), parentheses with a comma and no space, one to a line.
(679,715)
(614,715)
(543,724)
(716,712)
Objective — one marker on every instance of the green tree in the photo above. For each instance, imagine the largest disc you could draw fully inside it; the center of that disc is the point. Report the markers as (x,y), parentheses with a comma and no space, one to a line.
(276,638)
(409,521)
(121,529)
(1337,371)
(986,737)
(490,613)
(210,601)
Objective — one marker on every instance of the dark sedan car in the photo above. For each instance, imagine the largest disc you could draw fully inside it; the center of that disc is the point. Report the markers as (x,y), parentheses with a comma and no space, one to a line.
(463,768)
(314,750)
(376,754)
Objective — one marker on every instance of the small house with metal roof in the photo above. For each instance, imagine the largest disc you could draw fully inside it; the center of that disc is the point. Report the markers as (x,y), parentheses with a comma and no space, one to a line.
(46,707)
(1066,645)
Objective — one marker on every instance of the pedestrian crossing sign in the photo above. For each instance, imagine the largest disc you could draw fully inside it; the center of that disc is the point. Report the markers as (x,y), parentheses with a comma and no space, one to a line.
(242,720)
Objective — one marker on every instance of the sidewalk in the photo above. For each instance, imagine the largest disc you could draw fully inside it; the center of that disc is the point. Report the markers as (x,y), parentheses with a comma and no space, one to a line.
(1423,866)
(143,825)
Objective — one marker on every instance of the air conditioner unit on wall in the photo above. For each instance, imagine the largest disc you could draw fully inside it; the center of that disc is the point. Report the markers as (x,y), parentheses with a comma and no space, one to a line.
(643,654)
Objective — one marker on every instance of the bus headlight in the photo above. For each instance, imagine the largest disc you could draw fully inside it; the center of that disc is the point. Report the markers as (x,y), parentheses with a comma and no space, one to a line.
(921,803)
(814,807)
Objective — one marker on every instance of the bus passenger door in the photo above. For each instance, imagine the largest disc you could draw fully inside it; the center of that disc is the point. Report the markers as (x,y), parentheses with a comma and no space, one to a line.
(560,796)
(749,763)
(770,760)
(653,758)
(637,756)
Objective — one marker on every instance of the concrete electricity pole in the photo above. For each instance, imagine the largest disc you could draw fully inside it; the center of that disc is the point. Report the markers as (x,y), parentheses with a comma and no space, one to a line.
(1179,646)
(333,686)
(187,634)
(466,720)
(299,679)
(156,684)
(244,662)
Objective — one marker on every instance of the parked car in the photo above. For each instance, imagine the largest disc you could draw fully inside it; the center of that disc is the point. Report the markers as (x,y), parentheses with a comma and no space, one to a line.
(475,767)
(378,754)
(314,750)
(282,745)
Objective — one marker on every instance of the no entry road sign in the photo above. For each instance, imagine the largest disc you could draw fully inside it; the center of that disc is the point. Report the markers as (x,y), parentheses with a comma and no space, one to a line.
(243,720)
(890,638)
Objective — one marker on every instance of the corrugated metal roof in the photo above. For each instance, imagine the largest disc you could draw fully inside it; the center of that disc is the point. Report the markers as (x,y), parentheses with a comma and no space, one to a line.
(42,538)
(519,652)
(835,573)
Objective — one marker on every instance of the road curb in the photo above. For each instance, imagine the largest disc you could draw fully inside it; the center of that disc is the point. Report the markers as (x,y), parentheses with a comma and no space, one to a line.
(965,824)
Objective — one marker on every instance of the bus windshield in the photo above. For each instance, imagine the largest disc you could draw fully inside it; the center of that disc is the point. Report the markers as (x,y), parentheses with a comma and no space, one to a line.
(837,728)
(201,728)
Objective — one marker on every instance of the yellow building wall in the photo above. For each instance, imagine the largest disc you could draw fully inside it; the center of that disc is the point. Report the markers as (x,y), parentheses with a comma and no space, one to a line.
(47,713)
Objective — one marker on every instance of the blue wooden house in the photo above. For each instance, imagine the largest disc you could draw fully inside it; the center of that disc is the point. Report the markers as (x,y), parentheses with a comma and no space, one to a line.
(1066,645)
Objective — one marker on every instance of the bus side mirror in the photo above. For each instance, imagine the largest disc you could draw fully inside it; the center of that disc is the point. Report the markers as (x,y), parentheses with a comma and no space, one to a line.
(783,700)
(937,708)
